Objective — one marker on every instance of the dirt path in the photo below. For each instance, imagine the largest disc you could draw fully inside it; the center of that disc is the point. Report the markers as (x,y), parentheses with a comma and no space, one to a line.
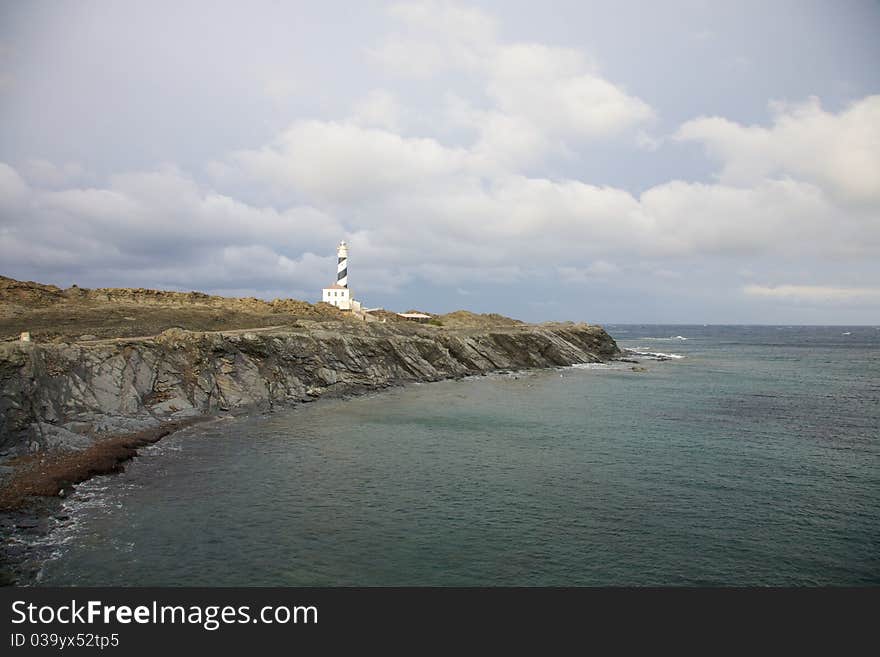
(146,338)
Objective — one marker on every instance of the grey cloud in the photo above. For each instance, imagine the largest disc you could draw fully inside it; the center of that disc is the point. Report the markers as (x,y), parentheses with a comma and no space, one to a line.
(519,154)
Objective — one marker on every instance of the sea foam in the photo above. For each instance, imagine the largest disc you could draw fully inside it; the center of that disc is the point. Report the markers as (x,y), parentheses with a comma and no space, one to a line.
(654,355)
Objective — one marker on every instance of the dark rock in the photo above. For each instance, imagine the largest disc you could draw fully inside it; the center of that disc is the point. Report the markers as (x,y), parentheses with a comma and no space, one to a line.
(27,523)
(61,396)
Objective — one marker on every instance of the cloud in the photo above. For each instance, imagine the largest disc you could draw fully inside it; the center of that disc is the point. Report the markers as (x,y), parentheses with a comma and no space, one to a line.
(774,216)
(47,174)
(479,218)
(597,269)
(378,109)
(541,101)
(13,189)
(467,172)
(342,161)
(412,209)
(556,91)
(820,294)
(482,211)
(464,24)
(503,142)
(840,152)
(280,88)
(161,228)
(436,37)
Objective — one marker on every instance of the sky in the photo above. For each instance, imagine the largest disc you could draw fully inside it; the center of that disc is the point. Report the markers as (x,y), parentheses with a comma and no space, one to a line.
(613,162)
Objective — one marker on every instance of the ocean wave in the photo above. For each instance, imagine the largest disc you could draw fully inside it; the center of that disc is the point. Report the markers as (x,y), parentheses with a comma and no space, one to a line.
(671,337)
(66,526)
(599,366)
(654,355)
(500,374)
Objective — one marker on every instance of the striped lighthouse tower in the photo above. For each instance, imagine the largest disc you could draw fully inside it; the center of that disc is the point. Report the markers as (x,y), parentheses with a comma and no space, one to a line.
(339,294)
(342,264)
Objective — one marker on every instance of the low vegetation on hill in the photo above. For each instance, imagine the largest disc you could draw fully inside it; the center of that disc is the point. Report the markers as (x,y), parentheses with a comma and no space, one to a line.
(467,319)
(51,313)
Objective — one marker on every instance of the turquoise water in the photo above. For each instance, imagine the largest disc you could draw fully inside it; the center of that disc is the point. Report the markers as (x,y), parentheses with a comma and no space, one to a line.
(750,460)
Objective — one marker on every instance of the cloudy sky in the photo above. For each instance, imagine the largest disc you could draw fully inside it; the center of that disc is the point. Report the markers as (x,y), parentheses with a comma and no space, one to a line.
(678,161)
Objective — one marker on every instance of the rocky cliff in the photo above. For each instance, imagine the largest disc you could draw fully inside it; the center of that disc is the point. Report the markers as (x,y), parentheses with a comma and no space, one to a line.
(67,394)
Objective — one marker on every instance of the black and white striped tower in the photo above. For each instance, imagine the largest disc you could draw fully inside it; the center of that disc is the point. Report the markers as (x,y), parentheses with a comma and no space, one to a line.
(342,264)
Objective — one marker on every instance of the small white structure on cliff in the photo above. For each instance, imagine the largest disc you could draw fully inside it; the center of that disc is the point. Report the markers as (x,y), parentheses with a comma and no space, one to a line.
(339,294)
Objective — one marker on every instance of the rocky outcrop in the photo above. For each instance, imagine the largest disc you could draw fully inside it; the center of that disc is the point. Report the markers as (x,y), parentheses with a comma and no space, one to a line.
(65,395)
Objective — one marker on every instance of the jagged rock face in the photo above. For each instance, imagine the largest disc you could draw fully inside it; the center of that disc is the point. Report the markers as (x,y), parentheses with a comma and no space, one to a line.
(62,395)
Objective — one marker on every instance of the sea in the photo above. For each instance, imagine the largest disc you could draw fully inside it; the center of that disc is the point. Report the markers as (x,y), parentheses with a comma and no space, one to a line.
(727,456)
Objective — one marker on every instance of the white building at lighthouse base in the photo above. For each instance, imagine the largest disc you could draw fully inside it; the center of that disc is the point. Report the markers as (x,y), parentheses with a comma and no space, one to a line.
(341,297)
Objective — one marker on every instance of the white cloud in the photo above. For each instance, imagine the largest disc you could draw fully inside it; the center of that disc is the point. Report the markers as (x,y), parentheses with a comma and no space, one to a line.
(341,161)
(503,142)
(482,213)
(416,208)
(476,196)
(378,109)
(821,294)
(559,90)
(465,24)
(773,216)
(474,214)
(543,101)
(647,142)
(534,87)
(840,152)
(436,37)
(161,227)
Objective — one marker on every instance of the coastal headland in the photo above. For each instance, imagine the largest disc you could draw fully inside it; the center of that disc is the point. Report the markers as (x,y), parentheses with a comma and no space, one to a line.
(108,370)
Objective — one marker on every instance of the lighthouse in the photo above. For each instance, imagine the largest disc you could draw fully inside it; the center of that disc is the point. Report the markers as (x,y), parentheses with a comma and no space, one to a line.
(339,293)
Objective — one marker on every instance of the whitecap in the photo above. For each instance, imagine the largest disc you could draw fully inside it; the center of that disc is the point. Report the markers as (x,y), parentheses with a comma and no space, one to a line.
(654,355)
(599,366)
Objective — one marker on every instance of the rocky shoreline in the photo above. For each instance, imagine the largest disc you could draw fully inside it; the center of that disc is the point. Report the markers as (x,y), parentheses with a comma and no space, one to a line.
(66,395)
(55,473)
(31,494)
(70,411)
